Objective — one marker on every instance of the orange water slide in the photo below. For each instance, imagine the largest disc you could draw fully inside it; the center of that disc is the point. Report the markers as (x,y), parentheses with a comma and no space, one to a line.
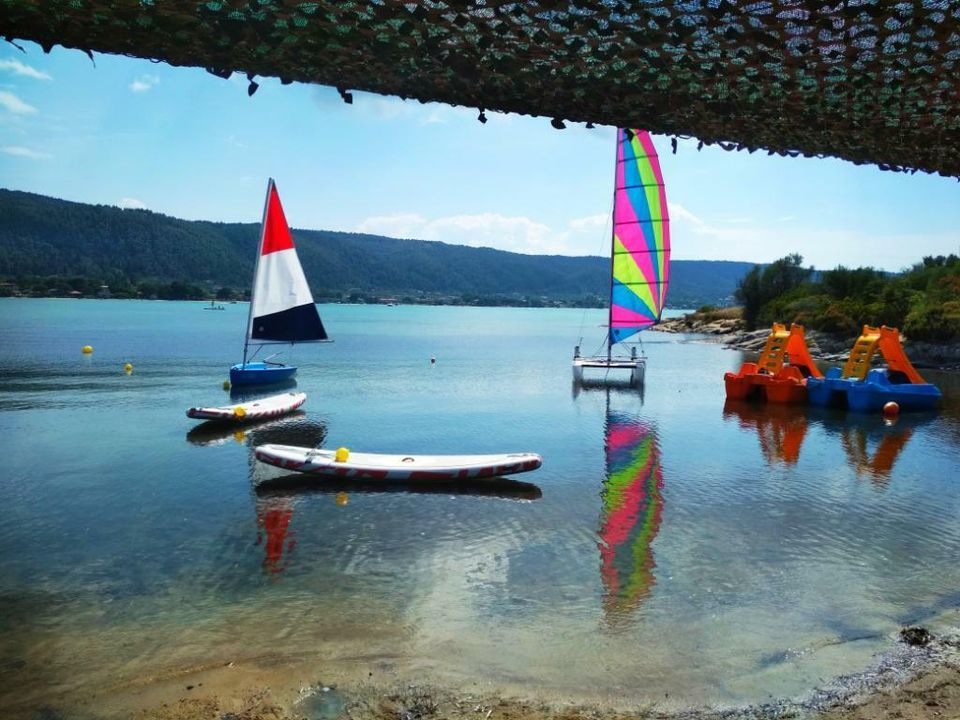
(897,361)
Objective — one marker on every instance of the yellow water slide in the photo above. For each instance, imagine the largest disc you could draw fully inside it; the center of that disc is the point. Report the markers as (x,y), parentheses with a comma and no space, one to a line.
(887,341)
(772,357)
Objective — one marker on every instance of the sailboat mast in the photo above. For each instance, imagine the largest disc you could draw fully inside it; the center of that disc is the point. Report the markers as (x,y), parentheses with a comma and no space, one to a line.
(613,235)
(256,269)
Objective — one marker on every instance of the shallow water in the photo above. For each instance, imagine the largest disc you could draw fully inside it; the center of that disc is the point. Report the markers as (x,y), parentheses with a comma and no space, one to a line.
(671,547)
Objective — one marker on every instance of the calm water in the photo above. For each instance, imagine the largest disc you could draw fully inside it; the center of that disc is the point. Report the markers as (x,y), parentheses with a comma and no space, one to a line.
(671,546)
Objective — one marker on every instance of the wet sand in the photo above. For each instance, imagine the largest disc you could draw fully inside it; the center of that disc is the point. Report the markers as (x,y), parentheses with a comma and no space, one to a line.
(935,695)
(909,684)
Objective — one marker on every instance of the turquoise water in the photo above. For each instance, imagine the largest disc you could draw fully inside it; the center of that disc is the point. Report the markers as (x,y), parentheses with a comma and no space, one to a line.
(671,546)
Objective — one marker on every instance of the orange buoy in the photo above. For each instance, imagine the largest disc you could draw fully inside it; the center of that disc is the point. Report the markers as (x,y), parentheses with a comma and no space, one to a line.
(342,499)
(891,409)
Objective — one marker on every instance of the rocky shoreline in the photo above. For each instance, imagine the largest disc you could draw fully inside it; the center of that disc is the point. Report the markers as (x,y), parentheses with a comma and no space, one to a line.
(725,326)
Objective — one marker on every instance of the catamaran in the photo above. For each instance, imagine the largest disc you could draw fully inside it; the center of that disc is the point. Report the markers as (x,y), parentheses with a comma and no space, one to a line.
(281,305)
(640,255)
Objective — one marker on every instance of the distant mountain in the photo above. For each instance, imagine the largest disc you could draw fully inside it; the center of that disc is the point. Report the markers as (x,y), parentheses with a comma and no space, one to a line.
(45,236)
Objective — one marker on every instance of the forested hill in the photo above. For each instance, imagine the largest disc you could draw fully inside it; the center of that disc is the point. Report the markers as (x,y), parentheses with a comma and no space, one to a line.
(42,236)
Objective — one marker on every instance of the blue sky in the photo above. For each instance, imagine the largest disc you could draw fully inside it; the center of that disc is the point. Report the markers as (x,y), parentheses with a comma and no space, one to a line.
(180,141)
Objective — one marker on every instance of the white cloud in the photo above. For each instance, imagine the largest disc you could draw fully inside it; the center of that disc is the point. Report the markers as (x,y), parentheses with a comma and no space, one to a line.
(24,152)
(516,234)
(144,83)
(402,225)
(18,68)
(15,105)
(520,234)
(692,238)
(132,204)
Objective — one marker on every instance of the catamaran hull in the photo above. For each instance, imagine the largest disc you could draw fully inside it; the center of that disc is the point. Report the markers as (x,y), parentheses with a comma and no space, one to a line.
(373,466)
(258,373)
(633,369)
(269,407)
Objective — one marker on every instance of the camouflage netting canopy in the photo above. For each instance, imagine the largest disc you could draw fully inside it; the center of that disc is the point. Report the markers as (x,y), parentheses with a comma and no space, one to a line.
(871,81)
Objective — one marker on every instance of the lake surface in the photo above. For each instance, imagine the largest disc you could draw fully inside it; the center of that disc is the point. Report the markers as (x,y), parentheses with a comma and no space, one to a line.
(672,547)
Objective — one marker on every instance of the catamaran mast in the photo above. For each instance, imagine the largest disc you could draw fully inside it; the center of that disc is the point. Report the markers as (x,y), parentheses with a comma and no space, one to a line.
(613,236)
(256,268)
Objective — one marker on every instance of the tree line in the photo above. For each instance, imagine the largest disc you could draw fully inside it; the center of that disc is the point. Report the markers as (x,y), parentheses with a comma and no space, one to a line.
(923,301)
(138,253)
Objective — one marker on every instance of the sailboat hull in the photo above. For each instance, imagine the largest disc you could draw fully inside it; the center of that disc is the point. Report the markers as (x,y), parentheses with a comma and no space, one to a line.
(260,373)
(633,367)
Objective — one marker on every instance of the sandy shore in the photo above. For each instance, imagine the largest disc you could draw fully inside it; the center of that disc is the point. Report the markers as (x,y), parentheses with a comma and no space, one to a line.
(934,695)
(910,683)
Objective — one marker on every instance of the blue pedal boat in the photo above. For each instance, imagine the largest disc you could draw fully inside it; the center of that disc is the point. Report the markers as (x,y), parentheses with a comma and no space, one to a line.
(871,393)
(858,387)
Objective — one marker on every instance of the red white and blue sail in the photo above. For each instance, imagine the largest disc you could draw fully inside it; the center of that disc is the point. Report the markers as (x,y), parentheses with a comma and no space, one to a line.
(641,237)
(282,307)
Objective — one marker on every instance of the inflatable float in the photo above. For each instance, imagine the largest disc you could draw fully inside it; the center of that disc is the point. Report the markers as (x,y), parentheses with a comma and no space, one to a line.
(372,466)
(268,407)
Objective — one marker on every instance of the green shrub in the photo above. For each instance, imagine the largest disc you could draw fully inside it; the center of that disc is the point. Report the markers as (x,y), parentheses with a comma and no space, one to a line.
(934,322)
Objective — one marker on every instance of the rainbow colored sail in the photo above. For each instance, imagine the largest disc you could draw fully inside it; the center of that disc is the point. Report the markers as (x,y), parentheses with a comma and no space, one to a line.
(641,237)
(630,520)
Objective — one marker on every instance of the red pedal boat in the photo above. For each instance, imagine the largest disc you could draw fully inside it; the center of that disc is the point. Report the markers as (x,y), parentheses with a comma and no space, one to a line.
(780,375)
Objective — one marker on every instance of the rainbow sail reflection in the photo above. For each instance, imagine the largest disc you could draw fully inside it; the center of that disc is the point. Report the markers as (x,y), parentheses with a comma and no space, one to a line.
(630,517)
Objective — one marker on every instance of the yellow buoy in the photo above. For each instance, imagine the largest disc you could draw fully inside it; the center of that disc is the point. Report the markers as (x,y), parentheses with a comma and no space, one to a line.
(342,499)
(87,349)
(239,411)
(128,368)
(342,454)
(240,436)
(226,384)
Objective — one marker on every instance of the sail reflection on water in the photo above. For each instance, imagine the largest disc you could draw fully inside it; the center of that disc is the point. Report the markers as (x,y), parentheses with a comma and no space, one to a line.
(273,532)
(630,518)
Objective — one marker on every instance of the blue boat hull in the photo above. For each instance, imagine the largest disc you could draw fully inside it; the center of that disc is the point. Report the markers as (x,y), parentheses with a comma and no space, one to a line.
(872,393)
(260,373)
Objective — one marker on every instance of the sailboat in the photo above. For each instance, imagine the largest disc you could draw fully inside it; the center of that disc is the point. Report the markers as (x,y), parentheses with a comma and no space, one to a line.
(281,306)
(640,254)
